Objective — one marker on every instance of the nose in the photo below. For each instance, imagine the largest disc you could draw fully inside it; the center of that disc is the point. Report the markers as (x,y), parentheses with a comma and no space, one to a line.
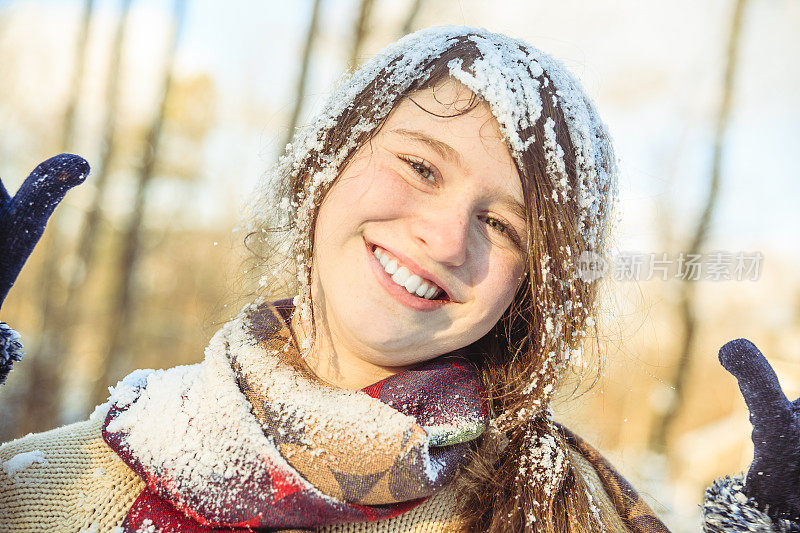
(443,233)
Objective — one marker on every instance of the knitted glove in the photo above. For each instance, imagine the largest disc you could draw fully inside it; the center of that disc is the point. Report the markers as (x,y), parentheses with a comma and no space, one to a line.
(22,221)
(772,485)
(10,350)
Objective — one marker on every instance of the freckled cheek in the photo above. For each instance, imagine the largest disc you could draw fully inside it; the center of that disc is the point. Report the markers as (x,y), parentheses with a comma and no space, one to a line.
(385,193)
(372,192)
(504,279)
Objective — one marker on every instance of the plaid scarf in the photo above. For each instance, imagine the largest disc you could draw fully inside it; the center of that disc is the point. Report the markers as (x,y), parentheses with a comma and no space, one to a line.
(635,513)
(245,440)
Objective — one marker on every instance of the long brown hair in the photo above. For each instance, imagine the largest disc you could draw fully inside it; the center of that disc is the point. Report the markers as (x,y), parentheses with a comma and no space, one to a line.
(520,478)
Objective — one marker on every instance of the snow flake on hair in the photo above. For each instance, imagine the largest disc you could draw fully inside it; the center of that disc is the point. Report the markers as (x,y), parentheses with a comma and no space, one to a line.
(556,168)
(509,75)
(506,77)
(544,462)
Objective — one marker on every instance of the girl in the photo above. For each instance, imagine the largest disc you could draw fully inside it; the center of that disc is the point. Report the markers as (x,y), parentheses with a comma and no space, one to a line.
(436,210)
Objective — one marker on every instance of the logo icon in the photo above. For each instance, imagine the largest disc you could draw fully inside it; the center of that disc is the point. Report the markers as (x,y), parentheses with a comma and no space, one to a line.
(591,266)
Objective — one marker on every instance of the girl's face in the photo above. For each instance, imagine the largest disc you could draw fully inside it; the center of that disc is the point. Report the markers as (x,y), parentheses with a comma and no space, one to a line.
(438,196)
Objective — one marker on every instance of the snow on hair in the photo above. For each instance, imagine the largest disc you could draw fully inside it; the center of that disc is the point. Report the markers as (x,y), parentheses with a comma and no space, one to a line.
(511,77)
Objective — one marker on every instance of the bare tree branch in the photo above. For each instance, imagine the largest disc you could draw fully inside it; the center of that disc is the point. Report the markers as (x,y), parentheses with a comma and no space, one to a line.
(77,77)
(40,399)
(411,18)
(300,89)
(360,30)
(663,424)
(115,359)
(85,257)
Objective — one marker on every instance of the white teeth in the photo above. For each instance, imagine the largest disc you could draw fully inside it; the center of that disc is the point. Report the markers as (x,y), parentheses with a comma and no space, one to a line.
(412,283)
(421,290)
(403,276)
(431,292)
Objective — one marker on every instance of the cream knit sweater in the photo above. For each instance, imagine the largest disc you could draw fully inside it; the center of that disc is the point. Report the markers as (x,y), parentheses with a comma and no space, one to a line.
(77,483)
(68,479)
(80,485)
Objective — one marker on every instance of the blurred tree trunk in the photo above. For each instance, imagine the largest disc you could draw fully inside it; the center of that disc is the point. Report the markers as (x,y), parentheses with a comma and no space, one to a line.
(663,424)
(68,126)
(41,398)
(117,358)
(411,18)
(360,31)
(302,77)
(85,253)
(665,214)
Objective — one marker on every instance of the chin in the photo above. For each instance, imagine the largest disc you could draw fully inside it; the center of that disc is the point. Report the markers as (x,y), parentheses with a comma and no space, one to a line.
(391,344)
(397,362)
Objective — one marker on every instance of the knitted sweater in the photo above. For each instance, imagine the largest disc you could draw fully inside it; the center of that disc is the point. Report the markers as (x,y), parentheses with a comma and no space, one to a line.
(74,481)
(68,479)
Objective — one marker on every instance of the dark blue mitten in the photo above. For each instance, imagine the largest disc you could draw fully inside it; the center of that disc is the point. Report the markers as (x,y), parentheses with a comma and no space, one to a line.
(22,221)
(773,480)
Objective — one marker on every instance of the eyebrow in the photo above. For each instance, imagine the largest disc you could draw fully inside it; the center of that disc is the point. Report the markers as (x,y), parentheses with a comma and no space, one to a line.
(446,151)
(449,153)
(516,208)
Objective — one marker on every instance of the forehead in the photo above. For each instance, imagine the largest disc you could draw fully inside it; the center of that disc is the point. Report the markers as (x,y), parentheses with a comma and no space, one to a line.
(450,104)
(449,114)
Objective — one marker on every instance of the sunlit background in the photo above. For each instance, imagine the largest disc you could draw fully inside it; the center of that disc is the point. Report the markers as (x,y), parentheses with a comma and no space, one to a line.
(181,107)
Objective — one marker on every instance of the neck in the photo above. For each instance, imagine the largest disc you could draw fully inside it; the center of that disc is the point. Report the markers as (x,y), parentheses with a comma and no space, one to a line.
(333,363)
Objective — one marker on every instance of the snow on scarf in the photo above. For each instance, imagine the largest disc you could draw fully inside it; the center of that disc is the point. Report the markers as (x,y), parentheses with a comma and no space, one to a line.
(243,439)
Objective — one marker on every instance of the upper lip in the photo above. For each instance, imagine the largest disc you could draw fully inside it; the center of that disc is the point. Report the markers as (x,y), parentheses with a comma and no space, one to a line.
(417,269)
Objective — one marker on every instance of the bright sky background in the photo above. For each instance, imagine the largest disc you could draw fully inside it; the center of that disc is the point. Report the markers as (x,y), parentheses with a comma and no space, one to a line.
(654,70)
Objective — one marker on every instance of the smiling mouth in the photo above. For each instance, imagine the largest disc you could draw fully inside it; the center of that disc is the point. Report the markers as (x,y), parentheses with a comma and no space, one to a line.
(407,284)
(404,277)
